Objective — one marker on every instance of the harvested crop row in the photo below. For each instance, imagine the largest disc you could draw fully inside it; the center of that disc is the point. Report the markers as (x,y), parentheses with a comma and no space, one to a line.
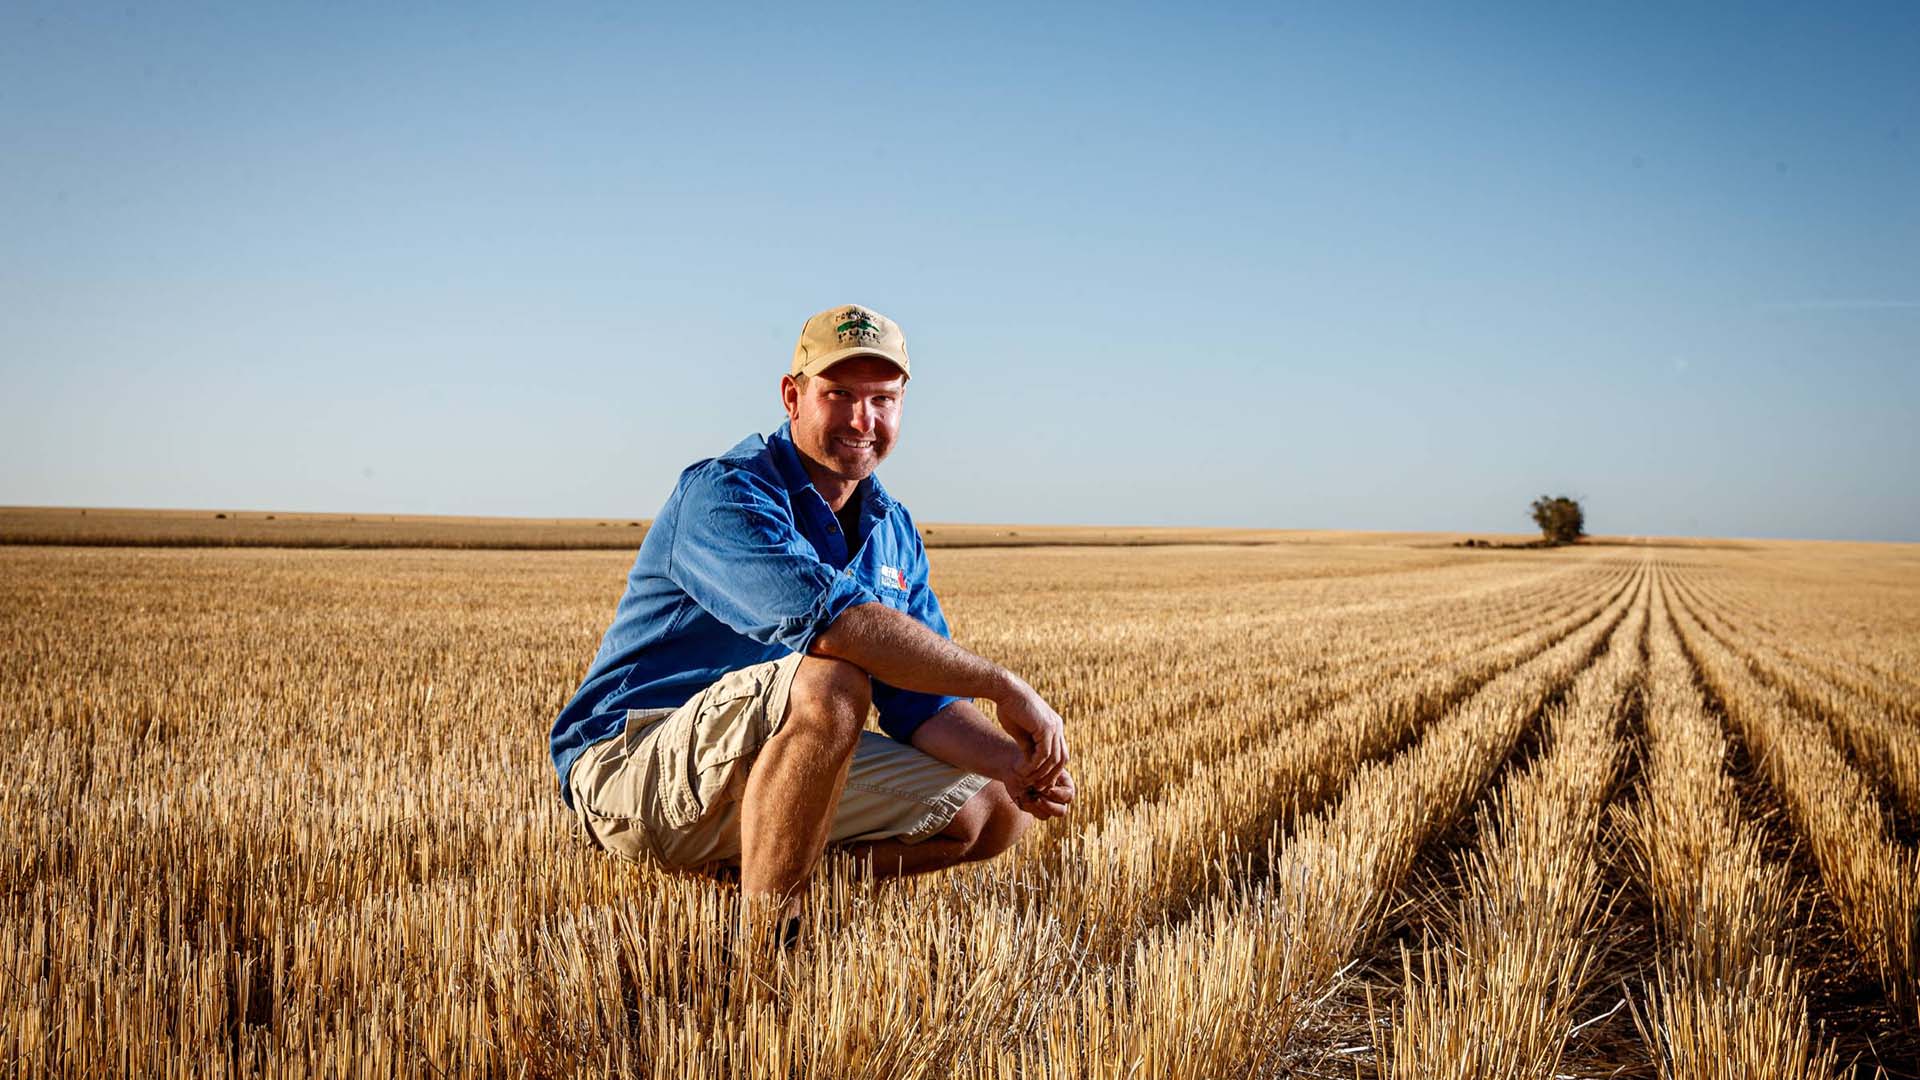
(1113,878)
(1236,988)
(1500,1000)
(1726,1003)
(1861,628)
(1291,679)
(1885,747)
(1189,836)
(1875,883)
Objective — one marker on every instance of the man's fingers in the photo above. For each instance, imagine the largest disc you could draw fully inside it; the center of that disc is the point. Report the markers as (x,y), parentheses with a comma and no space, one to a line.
(1041,772)
(1062,790)
(1054,760)
(1043,735)
(1049,761)
(1042,807)
(1047,754)
(1056,763)
(1038,764)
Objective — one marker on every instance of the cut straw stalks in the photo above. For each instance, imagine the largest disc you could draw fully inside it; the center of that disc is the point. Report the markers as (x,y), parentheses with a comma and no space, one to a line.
(1500,1000)
(1874,882)
(1886,747)
(1726,1002)
(1228,992)
(1863,634)
(1290,673)
(1115,877)
(289,814)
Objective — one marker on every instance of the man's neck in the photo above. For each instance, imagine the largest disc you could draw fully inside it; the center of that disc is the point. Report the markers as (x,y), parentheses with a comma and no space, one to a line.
(835,489)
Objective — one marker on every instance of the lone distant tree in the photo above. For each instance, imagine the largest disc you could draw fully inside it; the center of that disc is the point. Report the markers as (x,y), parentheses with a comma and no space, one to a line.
(1559,518)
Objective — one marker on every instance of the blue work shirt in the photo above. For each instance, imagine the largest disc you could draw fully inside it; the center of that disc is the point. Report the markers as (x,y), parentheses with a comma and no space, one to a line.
(744,564)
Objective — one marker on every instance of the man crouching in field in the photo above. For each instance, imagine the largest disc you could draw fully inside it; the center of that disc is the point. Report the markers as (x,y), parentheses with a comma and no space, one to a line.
(779,595)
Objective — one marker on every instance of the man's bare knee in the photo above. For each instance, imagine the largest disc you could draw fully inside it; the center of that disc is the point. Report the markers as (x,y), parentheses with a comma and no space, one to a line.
(831,697)
(988,823)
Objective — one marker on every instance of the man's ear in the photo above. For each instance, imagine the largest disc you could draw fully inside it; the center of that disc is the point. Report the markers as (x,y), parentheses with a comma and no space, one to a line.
(790,396)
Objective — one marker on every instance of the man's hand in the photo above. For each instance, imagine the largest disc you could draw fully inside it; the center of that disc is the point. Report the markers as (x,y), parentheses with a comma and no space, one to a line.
(1039,731)
(1049,802)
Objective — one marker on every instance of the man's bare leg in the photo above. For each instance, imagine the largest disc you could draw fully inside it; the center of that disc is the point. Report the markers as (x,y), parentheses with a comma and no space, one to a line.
(987,825)
(794,786)
(892,859)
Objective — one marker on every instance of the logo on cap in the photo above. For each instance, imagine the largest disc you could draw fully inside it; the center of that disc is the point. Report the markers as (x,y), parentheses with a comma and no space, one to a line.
(857,329)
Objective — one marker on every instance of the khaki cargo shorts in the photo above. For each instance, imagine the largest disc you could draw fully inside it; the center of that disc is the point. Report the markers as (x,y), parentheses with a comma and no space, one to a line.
(667,789)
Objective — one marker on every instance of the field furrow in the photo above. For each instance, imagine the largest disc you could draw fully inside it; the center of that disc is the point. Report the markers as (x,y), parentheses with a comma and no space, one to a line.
(1872,645)
(1874,882)
(1337,660)
(1726,1002)
(1114,877)
(1882,745)
(1236,988)
(1499,996)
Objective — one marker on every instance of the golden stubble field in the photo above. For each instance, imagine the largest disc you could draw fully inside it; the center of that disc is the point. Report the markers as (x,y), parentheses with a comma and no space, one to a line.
(1351,807)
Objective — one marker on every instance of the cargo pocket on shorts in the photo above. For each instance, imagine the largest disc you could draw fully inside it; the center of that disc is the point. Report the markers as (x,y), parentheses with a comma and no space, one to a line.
(698,750)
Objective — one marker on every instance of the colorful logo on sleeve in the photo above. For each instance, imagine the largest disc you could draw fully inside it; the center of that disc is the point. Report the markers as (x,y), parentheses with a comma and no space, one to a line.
(892,578)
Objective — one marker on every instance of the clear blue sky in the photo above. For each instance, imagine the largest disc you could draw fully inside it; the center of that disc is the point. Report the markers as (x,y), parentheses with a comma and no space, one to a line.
(1292,267)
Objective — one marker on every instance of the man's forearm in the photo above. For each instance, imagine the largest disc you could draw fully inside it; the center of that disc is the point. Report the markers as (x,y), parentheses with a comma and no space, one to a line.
(962,736)
(896,649)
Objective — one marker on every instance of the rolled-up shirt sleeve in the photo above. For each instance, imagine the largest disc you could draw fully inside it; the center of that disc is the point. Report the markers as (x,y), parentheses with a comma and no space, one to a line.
(737,553)
(903,711)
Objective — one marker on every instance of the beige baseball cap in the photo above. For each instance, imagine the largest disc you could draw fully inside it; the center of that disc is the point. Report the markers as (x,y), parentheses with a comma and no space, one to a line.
(839,333)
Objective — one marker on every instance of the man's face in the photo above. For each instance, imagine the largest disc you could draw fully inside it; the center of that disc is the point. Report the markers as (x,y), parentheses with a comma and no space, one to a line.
(846,418)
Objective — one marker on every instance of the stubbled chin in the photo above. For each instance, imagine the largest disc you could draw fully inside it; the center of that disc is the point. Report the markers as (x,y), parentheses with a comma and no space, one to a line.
(855,462)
